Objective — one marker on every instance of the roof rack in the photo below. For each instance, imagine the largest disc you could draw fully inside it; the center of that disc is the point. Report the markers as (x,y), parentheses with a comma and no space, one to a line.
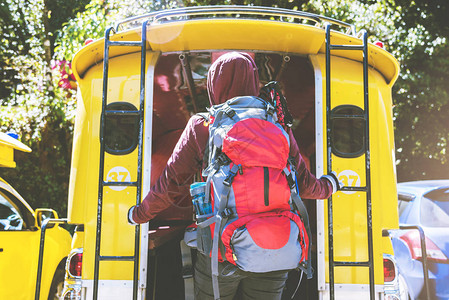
(226,11)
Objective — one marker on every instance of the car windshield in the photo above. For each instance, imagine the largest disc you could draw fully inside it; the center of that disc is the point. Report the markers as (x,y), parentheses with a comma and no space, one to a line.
(9,217)
(435,208)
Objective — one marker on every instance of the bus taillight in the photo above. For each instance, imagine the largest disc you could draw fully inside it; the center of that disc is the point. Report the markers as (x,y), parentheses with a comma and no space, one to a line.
(389,270)
(76,265)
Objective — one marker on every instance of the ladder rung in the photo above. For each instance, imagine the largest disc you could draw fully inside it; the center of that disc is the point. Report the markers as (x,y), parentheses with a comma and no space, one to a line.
(119,183)
(116,258)
(363,117)
(346,47)
(122,112)
(351,263)
(125,43)
(354,189)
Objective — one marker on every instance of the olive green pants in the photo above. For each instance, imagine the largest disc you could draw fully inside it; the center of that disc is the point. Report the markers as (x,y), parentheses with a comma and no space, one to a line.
(236,284)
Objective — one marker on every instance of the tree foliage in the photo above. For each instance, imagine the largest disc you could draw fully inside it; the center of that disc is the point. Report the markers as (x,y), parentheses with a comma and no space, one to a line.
(36,35)
(31,102)
(421,93)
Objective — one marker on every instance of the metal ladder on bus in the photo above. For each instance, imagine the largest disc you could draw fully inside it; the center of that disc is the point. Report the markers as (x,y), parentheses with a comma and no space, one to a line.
(138,183)
(332,263)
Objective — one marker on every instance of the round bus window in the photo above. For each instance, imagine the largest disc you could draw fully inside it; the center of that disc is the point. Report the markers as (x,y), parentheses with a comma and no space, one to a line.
(121,128)
(347,131)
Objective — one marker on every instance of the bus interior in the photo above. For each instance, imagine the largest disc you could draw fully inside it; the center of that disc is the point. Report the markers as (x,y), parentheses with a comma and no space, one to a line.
(180,91)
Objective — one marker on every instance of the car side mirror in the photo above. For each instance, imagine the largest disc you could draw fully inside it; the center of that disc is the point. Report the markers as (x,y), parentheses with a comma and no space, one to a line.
(45,213)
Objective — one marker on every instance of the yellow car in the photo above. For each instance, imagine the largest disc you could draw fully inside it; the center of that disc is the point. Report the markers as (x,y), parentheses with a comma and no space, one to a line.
(20,233)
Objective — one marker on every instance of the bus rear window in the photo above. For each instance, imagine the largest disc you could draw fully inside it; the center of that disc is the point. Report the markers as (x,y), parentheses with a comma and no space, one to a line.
(347,131)
(121,129)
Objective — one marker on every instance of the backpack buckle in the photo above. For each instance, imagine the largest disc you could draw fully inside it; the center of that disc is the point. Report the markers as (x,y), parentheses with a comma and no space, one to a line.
(229,111)
(226,213)
(228,180)
(223,159)
(232,173)
(291,161)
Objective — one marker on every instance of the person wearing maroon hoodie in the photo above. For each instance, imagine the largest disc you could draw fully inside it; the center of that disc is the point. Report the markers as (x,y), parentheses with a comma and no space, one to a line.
(232,74)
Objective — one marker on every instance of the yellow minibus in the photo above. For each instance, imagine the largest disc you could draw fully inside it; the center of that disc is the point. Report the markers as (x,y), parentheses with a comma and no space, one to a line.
(139,85)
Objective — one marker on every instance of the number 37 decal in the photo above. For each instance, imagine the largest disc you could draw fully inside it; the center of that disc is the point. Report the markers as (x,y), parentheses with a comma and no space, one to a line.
(349,178)
(118,174)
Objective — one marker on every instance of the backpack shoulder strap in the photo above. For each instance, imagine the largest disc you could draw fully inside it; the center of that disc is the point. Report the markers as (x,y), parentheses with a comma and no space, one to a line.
(301,208)
(303,214)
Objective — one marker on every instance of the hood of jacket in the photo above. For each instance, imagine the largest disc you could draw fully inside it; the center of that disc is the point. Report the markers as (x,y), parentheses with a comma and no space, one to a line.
(232,74)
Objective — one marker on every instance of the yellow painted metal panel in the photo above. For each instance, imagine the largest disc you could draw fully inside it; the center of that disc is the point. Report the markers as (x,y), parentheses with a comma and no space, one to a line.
(117,235)
(13,143)
(7,146)
(16,258)
(236,34)
(350,217)
(79,170)
(57,247)
(378,58)
(7,157)
(123,86)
